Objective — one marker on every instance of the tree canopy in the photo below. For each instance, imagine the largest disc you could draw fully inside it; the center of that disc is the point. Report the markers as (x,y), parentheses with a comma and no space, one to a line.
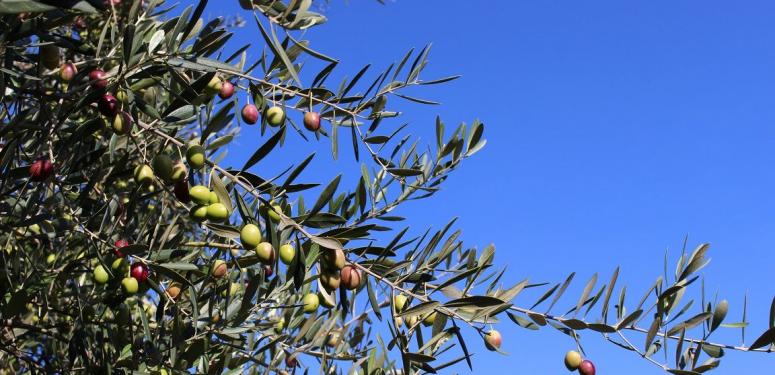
(129,245)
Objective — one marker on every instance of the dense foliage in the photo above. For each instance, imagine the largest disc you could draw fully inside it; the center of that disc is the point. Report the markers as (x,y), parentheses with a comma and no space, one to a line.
(127,245)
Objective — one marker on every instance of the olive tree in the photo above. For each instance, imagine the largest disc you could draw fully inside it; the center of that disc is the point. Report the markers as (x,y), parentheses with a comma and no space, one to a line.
(128,244)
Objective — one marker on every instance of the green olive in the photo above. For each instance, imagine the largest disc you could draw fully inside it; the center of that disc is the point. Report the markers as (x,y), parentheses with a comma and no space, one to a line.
(399,302)
(130,285)
(162,166)
(143,174)
(275,116)
(217,212)
(195,156)
(100,275)
(287,253)
(250,236)
(199,194)
(120,266)
(199,213)
(311,303)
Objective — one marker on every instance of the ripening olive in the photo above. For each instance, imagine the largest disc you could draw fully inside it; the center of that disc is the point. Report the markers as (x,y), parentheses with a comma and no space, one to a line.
(493,340)
(219,268)
(572,360)
(265,252)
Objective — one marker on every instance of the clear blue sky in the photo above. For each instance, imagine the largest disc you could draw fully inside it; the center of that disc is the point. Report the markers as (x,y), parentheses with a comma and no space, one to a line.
(614,129)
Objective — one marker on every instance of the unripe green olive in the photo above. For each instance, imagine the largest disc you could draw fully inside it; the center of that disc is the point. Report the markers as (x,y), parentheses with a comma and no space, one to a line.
(429,319)
(162,166)
(334,259)
(250,236)
(122,96)
(265,252)
(195,155)
(214,198)
(100,275)
(179,172)
(199,194)
(120,266)
(311,303)
(274,212)
(330,279)
(334,338)
(217,212)
(51,258)
(287,253)
(275,116)
(231,290)
(214,86)
(130,285)
(34,228)
(199,213)
(399,302)
(143,174)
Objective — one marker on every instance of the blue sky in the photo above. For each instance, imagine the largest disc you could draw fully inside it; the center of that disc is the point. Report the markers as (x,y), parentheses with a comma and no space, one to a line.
(614,129)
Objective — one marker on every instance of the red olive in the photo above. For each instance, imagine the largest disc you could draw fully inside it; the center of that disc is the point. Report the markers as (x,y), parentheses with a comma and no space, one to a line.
(587,367)
(97,79)
(312,121)
(226,91)
(120,243)
(67,71)
(350,277)
(181,191)
(250,114)
(41,170)
(139,271)
(108,105)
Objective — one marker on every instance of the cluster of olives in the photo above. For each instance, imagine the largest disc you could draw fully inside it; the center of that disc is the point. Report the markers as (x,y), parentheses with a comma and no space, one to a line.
(400,303)
(574,361)
(133,276)
(275,115)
